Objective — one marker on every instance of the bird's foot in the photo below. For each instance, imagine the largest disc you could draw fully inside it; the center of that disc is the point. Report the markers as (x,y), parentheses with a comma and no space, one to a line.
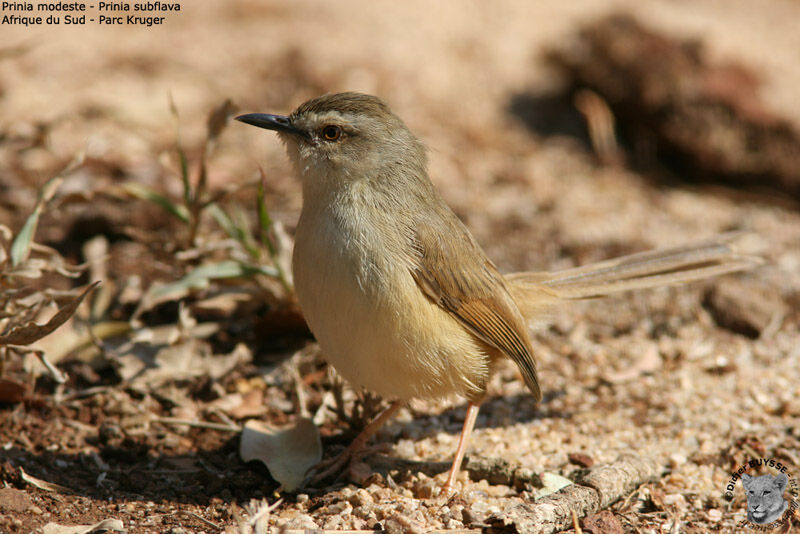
(335,468)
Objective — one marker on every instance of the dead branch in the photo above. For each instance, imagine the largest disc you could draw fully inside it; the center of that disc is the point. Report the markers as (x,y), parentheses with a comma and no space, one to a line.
(598,488)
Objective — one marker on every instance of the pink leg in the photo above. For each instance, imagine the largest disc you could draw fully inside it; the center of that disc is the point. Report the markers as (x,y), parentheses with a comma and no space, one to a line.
(333,466)
(469,424)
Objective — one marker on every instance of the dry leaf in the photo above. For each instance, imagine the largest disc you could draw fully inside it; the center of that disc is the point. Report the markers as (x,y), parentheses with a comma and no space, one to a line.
(76,339)
(287,452)
(106,525)
(252,405)
(182,361)
(552,483)
(42,484)
(28,333)
(242,405)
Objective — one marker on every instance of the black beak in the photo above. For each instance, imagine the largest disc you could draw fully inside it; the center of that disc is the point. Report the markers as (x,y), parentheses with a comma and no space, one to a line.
(279,123)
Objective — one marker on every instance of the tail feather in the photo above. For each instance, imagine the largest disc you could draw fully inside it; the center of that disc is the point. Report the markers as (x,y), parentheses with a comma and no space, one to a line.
(657,268)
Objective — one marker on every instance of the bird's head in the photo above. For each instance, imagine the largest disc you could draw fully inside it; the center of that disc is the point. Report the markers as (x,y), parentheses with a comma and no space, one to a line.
(344,137)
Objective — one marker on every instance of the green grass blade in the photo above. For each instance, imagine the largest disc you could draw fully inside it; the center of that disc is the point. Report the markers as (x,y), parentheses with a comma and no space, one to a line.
(145,193)
(21,246)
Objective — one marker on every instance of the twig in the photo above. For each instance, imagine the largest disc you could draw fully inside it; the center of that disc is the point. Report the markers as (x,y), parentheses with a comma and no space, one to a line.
(199,424)
(88,392)
(595,490)
(300,392)
(204,520)
(57,375)
(494,470)
(575,523)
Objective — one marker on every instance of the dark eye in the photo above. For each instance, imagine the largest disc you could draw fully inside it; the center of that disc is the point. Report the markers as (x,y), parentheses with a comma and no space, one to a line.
(331,132)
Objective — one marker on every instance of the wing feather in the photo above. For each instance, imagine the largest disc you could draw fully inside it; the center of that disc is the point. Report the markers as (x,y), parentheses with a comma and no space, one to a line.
(457,275)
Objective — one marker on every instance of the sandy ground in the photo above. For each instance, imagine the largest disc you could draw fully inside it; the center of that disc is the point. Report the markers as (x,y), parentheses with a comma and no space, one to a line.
(653,373)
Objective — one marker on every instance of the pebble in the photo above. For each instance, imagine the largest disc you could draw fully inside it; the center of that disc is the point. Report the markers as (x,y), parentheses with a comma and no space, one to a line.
(297,522)
(340,508)
(424,487)
(676,460)
(401,524)
(361,498)
(714,515)
(677,500)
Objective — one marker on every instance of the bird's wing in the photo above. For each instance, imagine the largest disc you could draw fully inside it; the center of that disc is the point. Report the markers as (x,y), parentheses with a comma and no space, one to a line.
(456,274)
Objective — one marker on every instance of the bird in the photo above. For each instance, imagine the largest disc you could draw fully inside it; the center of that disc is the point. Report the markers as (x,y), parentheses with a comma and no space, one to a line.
(399,295)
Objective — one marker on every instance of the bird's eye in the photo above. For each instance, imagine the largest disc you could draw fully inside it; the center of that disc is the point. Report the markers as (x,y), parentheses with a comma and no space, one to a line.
(331,132)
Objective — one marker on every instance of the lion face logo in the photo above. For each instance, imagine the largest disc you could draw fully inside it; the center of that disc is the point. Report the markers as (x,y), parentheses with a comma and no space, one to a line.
(765,502)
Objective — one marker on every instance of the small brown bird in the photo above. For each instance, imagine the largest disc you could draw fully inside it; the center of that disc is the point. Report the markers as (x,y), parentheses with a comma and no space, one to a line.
(401,298)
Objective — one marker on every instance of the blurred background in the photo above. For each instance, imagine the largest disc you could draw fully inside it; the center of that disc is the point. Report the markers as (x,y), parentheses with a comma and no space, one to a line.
(560,132)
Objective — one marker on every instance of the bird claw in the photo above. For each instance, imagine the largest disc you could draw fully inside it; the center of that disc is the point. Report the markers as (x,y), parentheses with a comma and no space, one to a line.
(339,465)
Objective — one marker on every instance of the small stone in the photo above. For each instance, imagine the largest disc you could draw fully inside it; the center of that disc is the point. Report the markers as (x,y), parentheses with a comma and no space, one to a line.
(424,487)
(366,513)
(301,498)
(336,522)
(580,459)
(744,307)
(714,515)
(603,522)
(470,517)
(14,500)
(340,508)
(361,498)
(299,522)
(676,460)
(109,432)
(405,448)
(453,524)
(360,524)
(677,500)
(401,524)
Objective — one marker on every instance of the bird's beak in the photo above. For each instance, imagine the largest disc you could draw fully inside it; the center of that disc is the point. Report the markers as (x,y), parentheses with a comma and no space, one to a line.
(279,123)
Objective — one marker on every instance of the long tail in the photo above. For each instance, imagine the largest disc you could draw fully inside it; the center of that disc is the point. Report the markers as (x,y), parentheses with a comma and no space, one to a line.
(723,254)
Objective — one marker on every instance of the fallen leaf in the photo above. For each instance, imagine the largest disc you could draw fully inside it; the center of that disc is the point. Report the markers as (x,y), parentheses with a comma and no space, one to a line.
(190,359)
(197,279)
(106,525)
(288,452)
(42,484)
(242,405)
(252,405)
(76,338)
(28,333)
(552,483)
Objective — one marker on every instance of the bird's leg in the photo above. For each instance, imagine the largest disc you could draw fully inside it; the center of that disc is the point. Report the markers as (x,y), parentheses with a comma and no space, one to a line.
(335,465)
(469,424)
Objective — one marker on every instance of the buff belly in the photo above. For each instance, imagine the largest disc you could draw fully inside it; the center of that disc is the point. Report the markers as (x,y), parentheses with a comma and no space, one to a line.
(374,324)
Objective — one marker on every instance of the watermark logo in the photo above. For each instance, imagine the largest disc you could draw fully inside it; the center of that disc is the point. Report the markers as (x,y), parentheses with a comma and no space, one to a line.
(771,499)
